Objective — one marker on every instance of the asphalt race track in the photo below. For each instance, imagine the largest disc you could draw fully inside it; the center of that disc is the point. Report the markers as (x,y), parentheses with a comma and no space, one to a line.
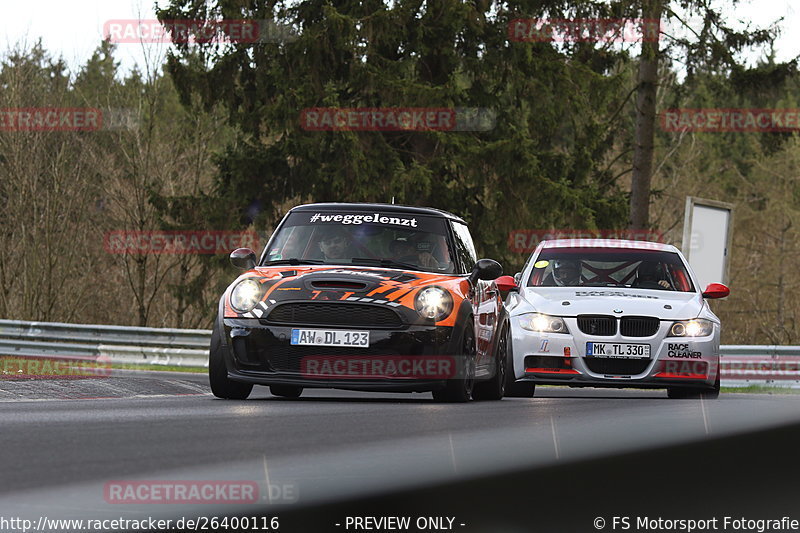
(558,459)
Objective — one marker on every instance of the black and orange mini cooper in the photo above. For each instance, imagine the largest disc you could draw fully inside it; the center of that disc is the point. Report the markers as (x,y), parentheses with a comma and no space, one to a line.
(370,297)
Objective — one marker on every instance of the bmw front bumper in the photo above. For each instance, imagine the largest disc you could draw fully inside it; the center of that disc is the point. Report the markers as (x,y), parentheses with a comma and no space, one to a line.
(563,359)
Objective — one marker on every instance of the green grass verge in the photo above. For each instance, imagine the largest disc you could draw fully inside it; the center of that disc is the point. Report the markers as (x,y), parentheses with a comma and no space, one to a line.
(161,368)
(752,389)
(759,389)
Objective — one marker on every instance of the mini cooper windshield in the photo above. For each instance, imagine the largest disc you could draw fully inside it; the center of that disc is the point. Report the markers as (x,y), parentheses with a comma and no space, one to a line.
(368,239)
(610,267)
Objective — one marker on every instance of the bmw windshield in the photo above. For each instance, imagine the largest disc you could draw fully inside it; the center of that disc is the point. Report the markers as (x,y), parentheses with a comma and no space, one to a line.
(610,267)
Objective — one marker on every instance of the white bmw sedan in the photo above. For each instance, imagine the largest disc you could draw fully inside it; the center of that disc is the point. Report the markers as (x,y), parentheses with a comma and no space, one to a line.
(611,313)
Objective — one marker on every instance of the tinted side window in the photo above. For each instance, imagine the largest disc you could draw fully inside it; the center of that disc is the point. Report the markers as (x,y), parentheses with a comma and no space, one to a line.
(465,249)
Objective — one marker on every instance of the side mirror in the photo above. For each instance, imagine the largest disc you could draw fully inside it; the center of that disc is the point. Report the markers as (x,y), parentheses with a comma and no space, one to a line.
(243,258)
(486,269)
(506,283)
(716,290)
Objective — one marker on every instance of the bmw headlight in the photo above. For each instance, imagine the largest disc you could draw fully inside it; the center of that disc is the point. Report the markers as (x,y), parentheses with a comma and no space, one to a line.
(543,323)
(245,295)
(433,302)
(698,327)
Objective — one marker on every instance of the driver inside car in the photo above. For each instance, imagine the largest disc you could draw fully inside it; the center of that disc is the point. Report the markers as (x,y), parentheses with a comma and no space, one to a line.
(335,244)
(650,276)
(566,272)
(405,251)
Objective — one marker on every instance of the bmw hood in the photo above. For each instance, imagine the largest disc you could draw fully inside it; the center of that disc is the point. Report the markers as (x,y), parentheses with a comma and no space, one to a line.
(572,301)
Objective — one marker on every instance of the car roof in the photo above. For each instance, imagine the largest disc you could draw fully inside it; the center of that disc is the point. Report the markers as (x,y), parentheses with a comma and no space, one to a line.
(383,208)
(607,243)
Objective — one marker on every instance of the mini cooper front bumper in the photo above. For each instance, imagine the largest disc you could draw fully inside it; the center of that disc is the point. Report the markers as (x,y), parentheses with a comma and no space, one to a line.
(411,358)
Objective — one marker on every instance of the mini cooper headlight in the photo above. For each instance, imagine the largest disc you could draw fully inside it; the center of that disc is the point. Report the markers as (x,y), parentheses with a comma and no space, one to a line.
(698,327)
(245,295)
(433,302)
(543,323)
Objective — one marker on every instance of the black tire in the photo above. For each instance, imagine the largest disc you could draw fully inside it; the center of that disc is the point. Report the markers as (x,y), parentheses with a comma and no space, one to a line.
(514,389)
(678,393)
(713,393)
(460,390)
(523,389)
(221,386)
(286,391)
(494,388)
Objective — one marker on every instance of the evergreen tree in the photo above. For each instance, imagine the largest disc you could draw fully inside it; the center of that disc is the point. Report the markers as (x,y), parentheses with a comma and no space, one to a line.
(542,165)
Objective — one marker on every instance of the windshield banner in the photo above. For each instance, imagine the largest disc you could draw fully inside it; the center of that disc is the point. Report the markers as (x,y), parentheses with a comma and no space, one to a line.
(399,220)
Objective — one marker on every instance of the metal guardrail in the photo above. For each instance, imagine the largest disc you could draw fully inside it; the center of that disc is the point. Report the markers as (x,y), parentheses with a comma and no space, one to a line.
(117,344)
(770,365)
(741,365)
(123,335)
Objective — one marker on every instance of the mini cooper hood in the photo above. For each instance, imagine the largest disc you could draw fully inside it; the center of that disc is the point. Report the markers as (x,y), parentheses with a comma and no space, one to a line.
(669,305)
(364,285)
(344,278)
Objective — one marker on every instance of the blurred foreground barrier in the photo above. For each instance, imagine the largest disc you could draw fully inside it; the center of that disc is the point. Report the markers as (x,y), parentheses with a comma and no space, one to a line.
(741,365)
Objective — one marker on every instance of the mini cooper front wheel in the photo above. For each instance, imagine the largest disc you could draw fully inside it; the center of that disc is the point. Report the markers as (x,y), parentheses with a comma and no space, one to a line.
(494,388)
(460,389)
(221,386)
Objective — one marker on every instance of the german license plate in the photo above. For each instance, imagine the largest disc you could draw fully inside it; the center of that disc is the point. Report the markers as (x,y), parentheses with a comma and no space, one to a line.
(330,337)
(615,350)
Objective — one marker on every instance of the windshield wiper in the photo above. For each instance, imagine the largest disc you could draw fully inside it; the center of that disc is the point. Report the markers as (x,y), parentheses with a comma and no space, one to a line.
(388,263)
(294,261)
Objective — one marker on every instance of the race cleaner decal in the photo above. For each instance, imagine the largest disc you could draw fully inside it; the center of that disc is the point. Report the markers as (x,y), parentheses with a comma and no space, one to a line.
(681,351)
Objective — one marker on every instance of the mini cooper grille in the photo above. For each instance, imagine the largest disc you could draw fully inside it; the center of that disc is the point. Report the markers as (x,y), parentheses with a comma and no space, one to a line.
(639,326)
(335,314)
(597,325)
(619,367)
